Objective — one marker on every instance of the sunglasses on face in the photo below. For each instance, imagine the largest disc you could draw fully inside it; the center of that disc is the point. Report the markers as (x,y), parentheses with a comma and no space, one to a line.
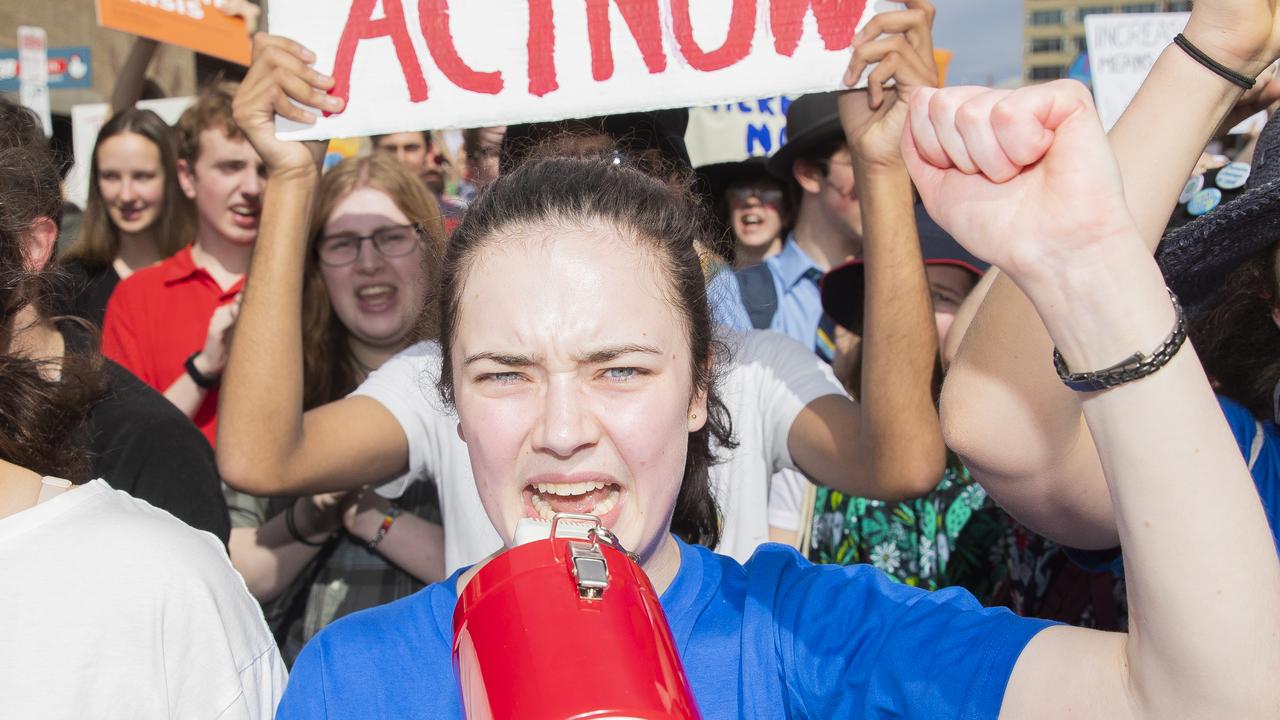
(393,241)
(740,196)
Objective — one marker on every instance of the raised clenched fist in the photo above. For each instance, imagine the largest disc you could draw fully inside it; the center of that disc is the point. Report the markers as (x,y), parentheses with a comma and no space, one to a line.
(1024,179)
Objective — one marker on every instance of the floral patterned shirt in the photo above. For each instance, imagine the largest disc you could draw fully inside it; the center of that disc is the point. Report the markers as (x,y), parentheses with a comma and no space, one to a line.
(952,536)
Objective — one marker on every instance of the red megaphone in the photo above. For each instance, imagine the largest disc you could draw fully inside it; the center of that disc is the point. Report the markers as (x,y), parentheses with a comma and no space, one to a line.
(566,627)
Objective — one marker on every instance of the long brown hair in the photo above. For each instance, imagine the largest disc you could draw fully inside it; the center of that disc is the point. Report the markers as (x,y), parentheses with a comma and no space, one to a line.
(656,206)
(1236,337)
(174,227)
(43,420)
(329,367)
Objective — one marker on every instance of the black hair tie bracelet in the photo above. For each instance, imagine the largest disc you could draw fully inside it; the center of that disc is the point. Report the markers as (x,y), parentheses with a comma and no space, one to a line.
(1225,72)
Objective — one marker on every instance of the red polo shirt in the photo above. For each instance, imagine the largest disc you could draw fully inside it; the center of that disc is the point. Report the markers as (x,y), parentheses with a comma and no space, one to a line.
(157,317)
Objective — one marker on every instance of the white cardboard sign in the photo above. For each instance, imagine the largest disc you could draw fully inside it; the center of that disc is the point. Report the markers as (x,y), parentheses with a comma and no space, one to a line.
(33,73)
(434,64)
(1122,49)
(736,131)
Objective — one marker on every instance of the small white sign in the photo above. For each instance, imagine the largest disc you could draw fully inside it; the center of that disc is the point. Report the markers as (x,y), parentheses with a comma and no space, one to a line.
(434,64)
(1122,49)
(33,74)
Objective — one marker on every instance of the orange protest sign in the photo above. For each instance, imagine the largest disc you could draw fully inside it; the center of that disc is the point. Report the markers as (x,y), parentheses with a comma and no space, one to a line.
(194,24)
(942,58)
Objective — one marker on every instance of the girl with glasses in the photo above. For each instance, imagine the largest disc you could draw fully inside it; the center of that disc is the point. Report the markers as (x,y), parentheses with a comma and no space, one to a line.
(376,234)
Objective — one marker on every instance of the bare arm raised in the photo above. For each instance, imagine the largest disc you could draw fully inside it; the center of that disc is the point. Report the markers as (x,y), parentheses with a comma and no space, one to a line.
(889,446)
(266,445)
(1203,632)
(1005,412)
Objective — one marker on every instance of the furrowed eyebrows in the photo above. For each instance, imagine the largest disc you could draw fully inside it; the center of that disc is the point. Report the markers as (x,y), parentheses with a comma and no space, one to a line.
(607,354)
(508,359)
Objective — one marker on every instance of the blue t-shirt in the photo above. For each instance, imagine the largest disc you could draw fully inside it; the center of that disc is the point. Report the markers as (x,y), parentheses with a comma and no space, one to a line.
(778,638)
(1266,470)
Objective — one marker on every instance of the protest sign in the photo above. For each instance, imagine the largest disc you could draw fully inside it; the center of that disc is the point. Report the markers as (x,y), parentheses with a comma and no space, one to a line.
(736,131)
(1122,49)
(69,68)
(33,75)
(194,24)
(435,64)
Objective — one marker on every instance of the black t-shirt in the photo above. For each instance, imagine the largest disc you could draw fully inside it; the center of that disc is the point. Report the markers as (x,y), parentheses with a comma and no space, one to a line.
(144,445)
(85,292)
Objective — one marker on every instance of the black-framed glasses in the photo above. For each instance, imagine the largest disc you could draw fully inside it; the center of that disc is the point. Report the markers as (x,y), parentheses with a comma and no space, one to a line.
(484,153)
(391,241)
(738,196)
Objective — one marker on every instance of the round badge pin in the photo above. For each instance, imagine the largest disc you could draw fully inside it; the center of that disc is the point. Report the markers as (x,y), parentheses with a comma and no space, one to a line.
(1233,176)
(1193,186)
(1204,201)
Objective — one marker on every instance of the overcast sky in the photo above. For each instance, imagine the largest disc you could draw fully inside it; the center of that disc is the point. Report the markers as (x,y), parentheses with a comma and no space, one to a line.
(986,37)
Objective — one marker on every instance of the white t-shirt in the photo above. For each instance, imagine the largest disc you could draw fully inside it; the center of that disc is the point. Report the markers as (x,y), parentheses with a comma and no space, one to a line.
(770,378)
(768,382)
(406,386)
(111,608)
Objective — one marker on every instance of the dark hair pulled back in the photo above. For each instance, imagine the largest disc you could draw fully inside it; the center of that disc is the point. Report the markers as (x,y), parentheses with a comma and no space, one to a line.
(575,182)
(1236,337)
(42,420)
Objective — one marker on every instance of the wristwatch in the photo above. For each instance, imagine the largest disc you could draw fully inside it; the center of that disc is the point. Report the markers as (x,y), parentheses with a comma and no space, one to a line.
(200,379)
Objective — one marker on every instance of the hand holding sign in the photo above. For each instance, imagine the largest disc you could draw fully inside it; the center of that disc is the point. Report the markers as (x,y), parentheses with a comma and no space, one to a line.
(902,43)
(279,75)
(994,166)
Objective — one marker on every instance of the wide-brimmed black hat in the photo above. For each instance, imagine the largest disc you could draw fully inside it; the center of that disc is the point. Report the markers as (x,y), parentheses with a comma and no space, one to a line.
(844,286)
(1198,256)
(811,120)
(715,178)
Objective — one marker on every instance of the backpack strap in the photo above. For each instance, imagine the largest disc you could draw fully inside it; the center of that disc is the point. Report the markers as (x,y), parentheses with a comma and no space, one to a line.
(759,296)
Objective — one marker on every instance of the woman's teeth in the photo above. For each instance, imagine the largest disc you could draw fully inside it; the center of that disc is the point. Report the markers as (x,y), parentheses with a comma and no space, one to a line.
(374,291)
(589,498)
(568,488)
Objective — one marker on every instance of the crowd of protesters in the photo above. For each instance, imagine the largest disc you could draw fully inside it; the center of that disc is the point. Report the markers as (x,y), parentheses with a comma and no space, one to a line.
(897,421)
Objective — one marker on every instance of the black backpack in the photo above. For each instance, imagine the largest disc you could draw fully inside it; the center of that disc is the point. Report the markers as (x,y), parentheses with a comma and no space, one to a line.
(759,296)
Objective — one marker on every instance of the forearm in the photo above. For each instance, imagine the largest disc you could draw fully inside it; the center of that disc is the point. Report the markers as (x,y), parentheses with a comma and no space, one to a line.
(900,437)
(1162,133)
(1002,391)
(411,543)
(186,395)
(260,408)
(133,76)
(269,559)
(1202,575)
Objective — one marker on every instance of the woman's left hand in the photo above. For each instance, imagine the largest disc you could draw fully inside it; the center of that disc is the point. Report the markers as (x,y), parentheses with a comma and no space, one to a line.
(279,76)
(363,511)
(900,43)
